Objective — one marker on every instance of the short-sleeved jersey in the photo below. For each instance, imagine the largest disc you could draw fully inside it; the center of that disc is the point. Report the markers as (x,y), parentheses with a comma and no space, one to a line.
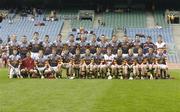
(59,46)
(161,58)
(160,45)
(98,58)
(47,47)
(66,57)
(77,58)
(151,58)
(13,45)
(119,60)
(40,61)
(93,46)
(72,47)
(103,47)
(35,45)
(14,60)
(136,45)
(130,59)
(54,59)
(109,58)
(147,45)
(82,47)
(125,47)
(23,49)
(87,58)
(115,46)
(140,58)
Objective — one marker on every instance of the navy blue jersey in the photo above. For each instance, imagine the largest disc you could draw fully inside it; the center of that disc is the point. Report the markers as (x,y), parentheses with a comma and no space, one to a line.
(54,59)
(147,45)
(36,45)
(14,60)
(161,59)
(151,58)
(119,60)
(130,59)
(98,58)
(23,49)
(140,59)
(40,61)
(47,47)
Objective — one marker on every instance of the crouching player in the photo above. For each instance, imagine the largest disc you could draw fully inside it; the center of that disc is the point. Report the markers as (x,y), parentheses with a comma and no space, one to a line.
(162,64)
(14,63)
(140,64)
(27,68)
(54,64)
(109,57)
(130,71)
(40,64)
(151,64)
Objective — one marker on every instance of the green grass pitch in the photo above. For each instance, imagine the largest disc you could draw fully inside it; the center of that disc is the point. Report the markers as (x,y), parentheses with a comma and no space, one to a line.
(36,95)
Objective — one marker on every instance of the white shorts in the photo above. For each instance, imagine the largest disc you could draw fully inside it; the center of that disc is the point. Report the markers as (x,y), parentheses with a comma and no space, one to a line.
(40,69)
(124,55)
(14,71)
(162,66)
(55,68)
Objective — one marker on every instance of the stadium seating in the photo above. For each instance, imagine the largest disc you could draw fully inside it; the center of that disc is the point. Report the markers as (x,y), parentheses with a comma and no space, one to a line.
(160,19)
(23,26)
(127,19)
(167,36)
(88,24)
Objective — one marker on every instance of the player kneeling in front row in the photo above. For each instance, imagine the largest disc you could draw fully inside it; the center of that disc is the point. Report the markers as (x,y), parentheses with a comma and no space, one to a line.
(130,68)
(54,65)
(151,65)
(40,64)
(14,63)
(27,68)
(162,64)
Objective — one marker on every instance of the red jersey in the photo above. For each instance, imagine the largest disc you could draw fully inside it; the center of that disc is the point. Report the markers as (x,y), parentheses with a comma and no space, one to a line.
(28,63)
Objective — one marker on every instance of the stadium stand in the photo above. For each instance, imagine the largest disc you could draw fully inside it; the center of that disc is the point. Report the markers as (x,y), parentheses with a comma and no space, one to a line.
(124,19)
(23,26)
(160,19)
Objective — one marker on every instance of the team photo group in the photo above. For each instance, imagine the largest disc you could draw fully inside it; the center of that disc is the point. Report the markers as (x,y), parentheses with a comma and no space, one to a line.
(86,57)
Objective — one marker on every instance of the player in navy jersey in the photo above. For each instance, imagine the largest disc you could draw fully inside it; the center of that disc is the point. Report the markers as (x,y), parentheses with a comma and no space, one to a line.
(148,44)
(83,43)
(114,44)
(151,62)
(40,64)
(87,58)
(120,62)
(71,44)
(23,47)
(47,46)
(13,44)
(77,60)
(58,44)
(140,64)
(162,64)
(98,57)
(55,64)
(35,45)
(93,44)
(130,72)
(103,44)
(125,45)
(14,63)
(137,45)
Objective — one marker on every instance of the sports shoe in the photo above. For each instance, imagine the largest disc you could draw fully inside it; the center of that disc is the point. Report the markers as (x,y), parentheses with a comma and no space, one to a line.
(109,77)
(121,77)
(151,77)
(42,77)
(142,78)
(71,78)
(130,78)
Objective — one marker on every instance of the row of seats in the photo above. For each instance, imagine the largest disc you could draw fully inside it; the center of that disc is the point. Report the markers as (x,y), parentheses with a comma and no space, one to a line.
(23,26)
(160,19)
(88,24)
(127,19)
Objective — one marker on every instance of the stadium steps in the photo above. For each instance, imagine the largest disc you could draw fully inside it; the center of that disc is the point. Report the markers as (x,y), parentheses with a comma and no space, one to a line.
(66,29)
(97,17)
(176,35)
(150,20)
